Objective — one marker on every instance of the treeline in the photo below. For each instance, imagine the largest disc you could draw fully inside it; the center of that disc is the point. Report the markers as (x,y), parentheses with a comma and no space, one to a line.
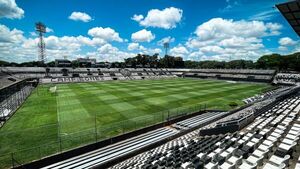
(274,61)
(154,61)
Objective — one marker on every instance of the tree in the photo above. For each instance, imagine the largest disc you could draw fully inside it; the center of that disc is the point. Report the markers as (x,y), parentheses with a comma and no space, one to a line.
(273,61)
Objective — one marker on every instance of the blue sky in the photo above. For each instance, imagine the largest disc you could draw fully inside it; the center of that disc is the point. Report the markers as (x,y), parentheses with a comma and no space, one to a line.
(116,29)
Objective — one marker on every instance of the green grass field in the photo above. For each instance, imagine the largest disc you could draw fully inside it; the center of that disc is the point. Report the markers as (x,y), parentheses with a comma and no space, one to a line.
(72,117)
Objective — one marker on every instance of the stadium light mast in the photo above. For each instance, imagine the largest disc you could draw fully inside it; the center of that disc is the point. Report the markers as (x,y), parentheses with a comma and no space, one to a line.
(166,46)
(41,29)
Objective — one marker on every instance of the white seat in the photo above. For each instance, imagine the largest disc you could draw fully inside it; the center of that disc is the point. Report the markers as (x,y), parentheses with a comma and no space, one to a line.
(225,154)
(227,165)
(259,153)
(185,165)
(248,165)
(235,160)
(211,165)
(254,159)
(272,166)
(278,160)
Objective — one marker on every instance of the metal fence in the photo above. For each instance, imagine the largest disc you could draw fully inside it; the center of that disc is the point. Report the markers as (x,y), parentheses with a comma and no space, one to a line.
(53,143)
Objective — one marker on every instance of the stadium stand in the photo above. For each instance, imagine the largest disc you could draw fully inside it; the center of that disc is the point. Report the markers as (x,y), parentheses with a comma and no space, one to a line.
(228,74)
(59,75)
(269,142)
(287,78)
(7,79)
(268,94)
(12,96)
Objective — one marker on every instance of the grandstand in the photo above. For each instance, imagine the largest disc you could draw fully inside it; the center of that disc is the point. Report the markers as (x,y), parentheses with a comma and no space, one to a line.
(60,75)
(270,141)
(287,78)
(13,92)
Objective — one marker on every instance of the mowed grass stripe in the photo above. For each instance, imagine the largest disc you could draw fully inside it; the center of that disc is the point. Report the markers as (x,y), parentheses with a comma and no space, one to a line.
(87,98)
(150,93)
(108,87)
(201,98)
(70,111)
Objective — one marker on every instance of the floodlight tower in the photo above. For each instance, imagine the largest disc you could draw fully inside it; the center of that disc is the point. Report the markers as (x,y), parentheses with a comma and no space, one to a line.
(41,29)
(166,46)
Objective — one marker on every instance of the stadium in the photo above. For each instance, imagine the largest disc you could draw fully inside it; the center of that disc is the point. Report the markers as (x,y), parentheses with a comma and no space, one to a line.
(151,113)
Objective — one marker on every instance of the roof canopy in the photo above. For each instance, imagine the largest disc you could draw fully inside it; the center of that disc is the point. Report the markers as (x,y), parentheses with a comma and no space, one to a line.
(291,12)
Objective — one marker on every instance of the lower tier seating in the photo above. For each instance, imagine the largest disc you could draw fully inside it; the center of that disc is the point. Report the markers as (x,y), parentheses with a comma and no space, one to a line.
(270,142)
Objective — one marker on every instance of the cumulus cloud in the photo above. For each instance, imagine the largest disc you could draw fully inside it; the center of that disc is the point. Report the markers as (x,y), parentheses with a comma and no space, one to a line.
(9,9)
(196,55)
(133,46)
(107,34)
(167,18)
(142,50)
(110,53)
(137,17)
(223,28)
(286,41)
(10,36)
(168,39)
(80,16)
(179,51)
(142,36)
(283,48)
(14,46)
(223,39)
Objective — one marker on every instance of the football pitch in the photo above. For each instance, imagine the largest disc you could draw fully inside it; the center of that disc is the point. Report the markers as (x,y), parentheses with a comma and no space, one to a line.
(82,113)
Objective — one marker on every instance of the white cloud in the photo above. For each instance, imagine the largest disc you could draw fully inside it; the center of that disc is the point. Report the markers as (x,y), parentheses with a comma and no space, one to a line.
(107,34)
(14,46)
(282,48)
(222,28)
(151,51)
(212,49)
(80,16)
(179,51)
(166,18)
(48,30)
(33,33)
(168,39)
(110,53)
(230,5)
(133,46)
(9,9)
(142,36)
(264,15)
(142,50)
(10,36)
(223,39)
(196,55)
(286,41)
(137,17)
